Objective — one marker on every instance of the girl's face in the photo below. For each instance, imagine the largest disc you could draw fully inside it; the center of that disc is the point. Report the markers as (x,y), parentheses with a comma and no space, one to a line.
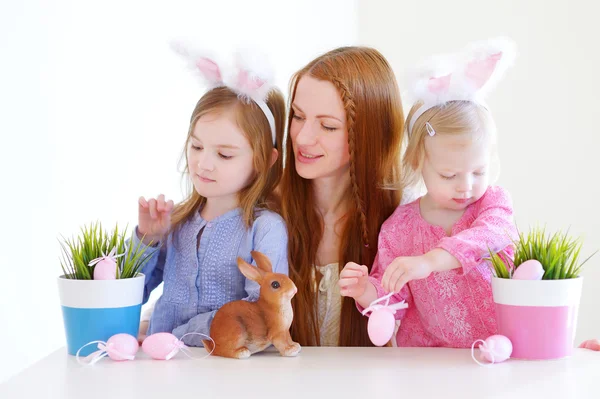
(220,158)
(318,130)
(456,169)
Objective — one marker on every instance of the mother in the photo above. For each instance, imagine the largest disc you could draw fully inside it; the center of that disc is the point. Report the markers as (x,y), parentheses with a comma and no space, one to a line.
(342,162)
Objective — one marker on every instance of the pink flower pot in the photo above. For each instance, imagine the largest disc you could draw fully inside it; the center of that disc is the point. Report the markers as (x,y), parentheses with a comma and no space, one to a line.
(538,316)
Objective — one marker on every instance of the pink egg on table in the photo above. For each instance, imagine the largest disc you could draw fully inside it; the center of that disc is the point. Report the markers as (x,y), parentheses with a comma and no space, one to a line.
(381,326)
(160,345)
(120,345)
(106,269)
(496,349)
(529,270)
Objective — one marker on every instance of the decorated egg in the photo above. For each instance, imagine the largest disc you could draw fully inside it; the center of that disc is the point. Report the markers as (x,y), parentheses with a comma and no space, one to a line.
(381,326)
(120,345)
(161,346)
(529,270)
(496,349)
(106,269)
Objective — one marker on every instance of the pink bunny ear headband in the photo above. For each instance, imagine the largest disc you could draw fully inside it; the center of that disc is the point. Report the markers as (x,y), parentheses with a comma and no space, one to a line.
(251,79)
(469,76)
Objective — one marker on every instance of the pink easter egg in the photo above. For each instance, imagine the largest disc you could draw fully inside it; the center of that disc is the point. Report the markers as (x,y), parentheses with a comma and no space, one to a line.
(124,344)
(106,269)
(497,349)
(158,346)
(529,270)
(381,326)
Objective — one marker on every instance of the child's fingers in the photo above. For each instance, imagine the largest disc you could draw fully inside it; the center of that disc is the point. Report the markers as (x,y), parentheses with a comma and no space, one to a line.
(393,278)
(142,202)
(385,281)
(351,292)
(152,208)
(364,270)
(160,203)
(352,266)
(169,206)
(592,344)
(402,281)
(346,282)
(350,273)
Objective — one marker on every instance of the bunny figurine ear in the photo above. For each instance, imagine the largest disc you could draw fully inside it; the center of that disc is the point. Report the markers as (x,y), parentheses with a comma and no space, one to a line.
(201,62)
(249,271)
(262,261)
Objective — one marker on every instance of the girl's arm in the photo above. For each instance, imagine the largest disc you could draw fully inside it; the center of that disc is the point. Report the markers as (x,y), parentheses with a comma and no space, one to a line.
(153,268)
(493,229)
(270,238)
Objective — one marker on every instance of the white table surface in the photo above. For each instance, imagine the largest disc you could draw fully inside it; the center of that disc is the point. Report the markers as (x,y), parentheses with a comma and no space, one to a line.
(315,373)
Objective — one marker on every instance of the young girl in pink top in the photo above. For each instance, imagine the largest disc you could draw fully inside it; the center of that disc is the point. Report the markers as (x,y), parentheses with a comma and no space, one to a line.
(431,252)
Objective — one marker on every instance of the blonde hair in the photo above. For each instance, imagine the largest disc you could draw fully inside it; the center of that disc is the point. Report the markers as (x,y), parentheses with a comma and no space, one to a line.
(252,121)
(452,118)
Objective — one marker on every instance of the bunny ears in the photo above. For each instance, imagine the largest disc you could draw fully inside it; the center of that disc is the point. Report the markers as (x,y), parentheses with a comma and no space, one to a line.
(251,79)
(469,75)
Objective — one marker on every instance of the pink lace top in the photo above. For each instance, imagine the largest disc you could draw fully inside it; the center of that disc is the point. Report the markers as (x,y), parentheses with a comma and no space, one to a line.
(452,308)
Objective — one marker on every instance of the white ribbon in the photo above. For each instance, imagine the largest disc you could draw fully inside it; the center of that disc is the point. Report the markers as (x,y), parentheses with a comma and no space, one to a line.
(373,306)
(104,350)
(180,346)
(483,348)
(111,255)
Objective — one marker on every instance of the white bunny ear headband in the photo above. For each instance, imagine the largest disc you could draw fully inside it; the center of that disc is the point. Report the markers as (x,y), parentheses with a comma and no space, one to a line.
(251,79)
(469,76)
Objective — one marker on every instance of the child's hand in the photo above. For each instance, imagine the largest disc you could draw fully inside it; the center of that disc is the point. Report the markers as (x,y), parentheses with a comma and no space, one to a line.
(143,331)
(404,269)
(591,344)
(353,280)
(154,218)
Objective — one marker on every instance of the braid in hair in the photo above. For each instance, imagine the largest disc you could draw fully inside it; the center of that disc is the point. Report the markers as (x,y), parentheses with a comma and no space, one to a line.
(350,109)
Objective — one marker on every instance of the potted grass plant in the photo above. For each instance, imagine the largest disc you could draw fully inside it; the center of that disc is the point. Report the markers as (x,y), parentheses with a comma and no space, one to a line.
(537,293)
(101,288)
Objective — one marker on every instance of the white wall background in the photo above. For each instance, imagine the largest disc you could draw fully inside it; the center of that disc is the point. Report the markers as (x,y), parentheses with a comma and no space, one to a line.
(94,109)
(546,108)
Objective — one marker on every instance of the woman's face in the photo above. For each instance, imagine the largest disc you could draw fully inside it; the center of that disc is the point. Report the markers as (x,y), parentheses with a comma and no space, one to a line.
(318,131)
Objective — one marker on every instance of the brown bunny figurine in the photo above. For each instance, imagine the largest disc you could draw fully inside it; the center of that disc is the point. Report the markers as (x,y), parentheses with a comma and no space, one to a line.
(241,328)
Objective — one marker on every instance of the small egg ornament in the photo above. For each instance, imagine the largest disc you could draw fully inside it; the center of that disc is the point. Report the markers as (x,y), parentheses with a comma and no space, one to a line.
(164,346)
(382,322)
(122,347)
(106,266)
(119,347)
(494,349)
(529,270)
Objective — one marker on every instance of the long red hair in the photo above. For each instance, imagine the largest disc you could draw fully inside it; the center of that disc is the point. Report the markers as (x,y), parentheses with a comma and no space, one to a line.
(375,123)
